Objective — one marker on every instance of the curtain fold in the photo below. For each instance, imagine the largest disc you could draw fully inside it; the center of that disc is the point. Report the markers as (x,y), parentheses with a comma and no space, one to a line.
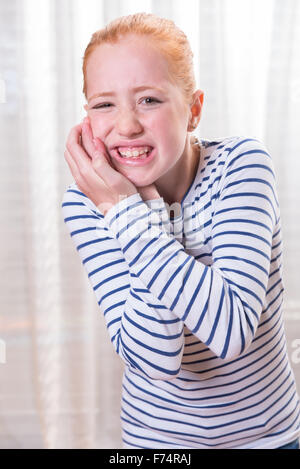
(60,380)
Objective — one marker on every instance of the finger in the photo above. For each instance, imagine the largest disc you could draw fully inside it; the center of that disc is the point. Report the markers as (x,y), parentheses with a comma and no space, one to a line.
(83,185)
(87,138)
(72,166)
(114,180)
(101,164)
(79,155)
(91,170)
(100,147)
(75,132)
(78,152)
(90,143)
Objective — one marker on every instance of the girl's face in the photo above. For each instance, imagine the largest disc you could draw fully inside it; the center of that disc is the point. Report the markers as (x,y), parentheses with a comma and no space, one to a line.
(133,103)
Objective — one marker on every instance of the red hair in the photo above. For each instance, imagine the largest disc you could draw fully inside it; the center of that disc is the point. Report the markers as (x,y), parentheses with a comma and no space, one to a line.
(164,34)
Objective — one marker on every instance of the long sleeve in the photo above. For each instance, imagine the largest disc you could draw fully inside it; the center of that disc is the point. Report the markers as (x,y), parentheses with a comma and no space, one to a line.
(144,333)
(221,304)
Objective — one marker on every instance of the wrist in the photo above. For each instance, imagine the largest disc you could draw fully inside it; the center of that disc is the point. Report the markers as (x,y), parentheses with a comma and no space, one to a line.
(149,192)
(106,206)
(122,203)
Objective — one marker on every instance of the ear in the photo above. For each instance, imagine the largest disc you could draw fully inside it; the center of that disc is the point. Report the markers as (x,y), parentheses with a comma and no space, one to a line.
(195,110)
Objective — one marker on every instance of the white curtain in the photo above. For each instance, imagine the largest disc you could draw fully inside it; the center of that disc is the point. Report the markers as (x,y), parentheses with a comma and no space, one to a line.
(60,380)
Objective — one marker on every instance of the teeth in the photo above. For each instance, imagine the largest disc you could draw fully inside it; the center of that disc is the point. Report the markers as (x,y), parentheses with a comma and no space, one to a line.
(134,154)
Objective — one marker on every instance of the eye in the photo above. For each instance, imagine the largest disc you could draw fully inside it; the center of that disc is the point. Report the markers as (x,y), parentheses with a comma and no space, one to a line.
(101,106)
(151,100)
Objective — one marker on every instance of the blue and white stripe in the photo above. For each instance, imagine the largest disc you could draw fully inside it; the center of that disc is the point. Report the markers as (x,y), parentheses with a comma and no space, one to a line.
(194,305)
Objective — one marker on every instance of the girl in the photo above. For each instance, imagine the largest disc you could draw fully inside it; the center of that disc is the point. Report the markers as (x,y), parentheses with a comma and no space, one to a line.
(181,241)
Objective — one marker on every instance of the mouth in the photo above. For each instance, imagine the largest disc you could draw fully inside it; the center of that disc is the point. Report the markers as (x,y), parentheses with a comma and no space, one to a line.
(133,156)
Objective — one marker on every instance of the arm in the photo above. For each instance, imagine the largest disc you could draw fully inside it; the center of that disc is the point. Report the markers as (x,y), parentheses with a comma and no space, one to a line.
(144,333)
(221,304)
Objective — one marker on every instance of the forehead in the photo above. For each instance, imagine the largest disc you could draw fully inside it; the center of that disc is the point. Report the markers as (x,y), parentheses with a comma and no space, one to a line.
(131,61)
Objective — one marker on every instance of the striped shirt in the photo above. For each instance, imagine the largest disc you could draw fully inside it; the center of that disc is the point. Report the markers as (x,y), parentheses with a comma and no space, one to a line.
(194,304)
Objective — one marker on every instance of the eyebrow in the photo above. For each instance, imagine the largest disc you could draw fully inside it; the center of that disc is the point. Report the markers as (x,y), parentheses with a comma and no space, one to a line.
(139,88)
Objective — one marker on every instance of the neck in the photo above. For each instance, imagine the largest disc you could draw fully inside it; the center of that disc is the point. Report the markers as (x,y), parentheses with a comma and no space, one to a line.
(173,185)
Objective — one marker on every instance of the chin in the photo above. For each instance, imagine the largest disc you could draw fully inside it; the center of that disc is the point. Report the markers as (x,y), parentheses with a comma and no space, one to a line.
(141,184)
(138,182)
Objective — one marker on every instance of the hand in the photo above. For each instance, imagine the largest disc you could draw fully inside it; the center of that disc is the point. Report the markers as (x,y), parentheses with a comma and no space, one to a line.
(92,170)
(149,192)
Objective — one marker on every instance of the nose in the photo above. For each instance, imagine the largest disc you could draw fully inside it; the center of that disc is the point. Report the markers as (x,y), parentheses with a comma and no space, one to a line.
(128,123)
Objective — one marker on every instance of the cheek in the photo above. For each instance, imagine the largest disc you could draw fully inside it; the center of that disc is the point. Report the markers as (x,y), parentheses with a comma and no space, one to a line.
(161,126)
(171,132)
(174,138)
(171,123)
(98,125)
